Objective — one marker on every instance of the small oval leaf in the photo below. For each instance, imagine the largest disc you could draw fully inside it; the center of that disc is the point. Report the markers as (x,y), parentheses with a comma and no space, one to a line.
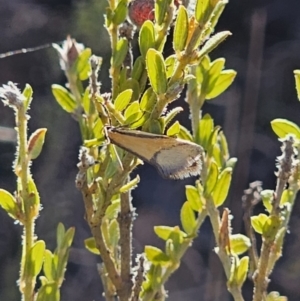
(35,143)
(181,29)
(90,244)
(156,71)
(64,98)
(123,100)
(187,218)
(283,127)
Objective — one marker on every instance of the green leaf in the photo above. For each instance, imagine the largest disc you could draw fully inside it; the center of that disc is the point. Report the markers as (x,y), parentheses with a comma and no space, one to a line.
(27,92)
(242,271)
(172,114)
(287,197)
(271,227)
(69,236)
(275,296)
(34,197)
(216,154)
(174,129)
(132,84)
(206,126)
(231,162)
(34,259)
(113,209)
(86,102)
(48,266)
(120,12)
(212,141)
(258,222)
(161,7)
(120,53)
(138,68)
(202,11)
(8,203)
(282,127)
(98,129)
(181,29)
(146,37)
(223,146)
(60,235)
(64,98)
(213,43)
(239,243)
(156,279)
(185,134)
(114,233)
(218,8)
(156,127)
(223,81)
(48,292)
(156,255)
(164,232)
(156,71)
(170,65)
(148,100)
(132,113)
(123,100)
(187,218)
(267,197)
(212,179)
(193,198)
(213,73)
(35,143)
(82,64)
(90,244)
(297,81)
(222,186)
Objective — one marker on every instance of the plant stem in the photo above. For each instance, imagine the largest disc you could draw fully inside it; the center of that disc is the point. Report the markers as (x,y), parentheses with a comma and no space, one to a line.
(114,72)
(125,226)
(27,282)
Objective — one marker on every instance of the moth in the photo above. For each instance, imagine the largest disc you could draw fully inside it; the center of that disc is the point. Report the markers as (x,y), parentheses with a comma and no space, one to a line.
(172,157)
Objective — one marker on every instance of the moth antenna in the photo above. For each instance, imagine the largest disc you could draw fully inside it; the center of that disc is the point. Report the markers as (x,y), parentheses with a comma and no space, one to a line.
(25,50)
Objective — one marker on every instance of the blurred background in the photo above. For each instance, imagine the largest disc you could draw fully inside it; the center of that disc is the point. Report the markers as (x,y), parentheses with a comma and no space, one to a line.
(264,50)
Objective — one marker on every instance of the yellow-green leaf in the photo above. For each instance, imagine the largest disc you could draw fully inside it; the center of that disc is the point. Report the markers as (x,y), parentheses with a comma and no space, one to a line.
(120,12)
(156,255)
(156,71)
(34,259)
(90,244)
(64,98)
(123,100)
(223,81)
(258,222)
(282,127)
(242,271)
(193,197)
(27,92)
(212,178)
(187,218)
(271,227)
(181,29)
(8,203)
(267,197)
(297,81)
(174,129)
(35,143)
(239,243)
(222,186)
(146,37)
(120,53)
